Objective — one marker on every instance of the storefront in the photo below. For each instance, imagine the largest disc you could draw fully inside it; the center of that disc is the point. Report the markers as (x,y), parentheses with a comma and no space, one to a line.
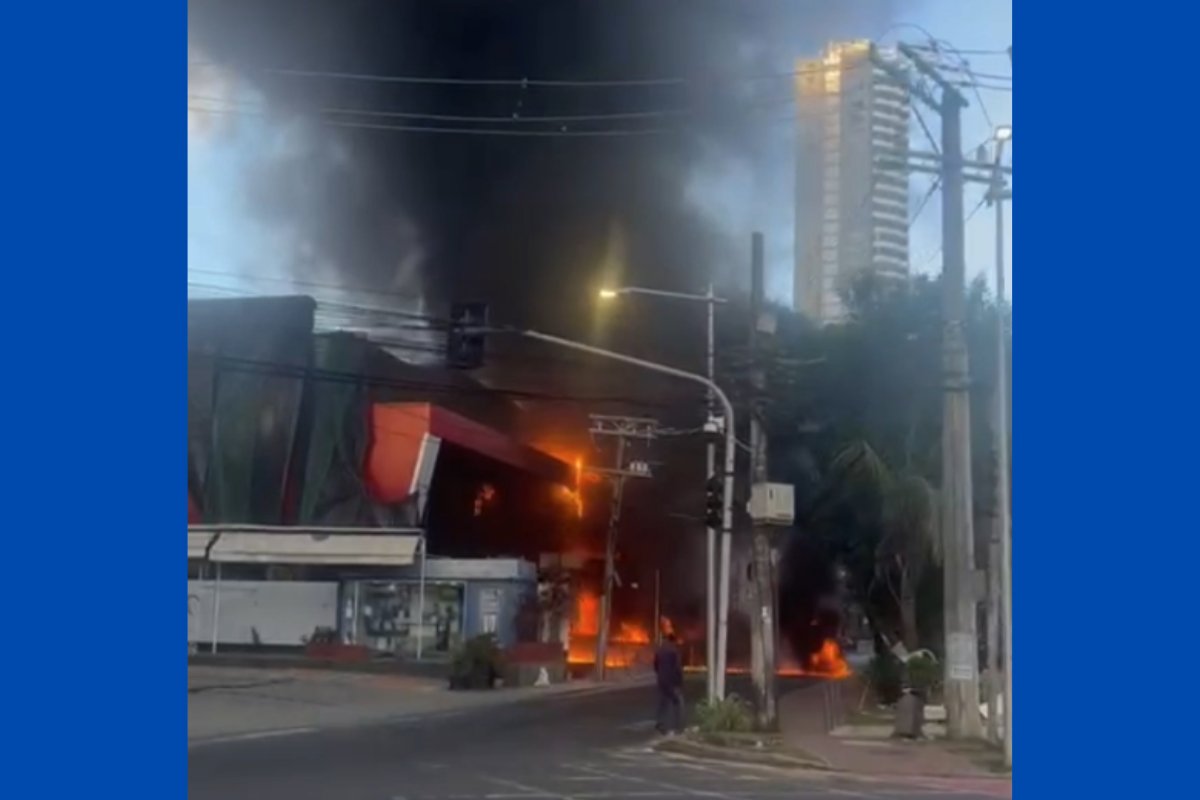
(425,611)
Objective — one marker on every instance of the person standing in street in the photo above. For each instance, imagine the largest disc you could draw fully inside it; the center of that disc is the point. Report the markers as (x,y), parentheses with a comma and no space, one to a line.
(668,669)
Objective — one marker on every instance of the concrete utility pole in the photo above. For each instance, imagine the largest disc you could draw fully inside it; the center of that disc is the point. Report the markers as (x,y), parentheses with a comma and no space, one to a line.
(622,429)
(998,194)
(957,526)
(993,624)
(762,624)
(962,643)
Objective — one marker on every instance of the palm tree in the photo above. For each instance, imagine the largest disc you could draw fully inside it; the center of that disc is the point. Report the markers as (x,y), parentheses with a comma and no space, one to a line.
(901,507)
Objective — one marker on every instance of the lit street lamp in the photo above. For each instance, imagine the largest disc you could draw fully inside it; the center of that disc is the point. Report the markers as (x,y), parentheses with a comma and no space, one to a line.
(717,618)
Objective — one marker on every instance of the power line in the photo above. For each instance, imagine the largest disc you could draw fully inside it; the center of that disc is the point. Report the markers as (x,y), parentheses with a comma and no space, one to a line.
(525,82)
(564,133)
(346,316)
(924,127)
(933,187)
(513,118)
(349,289)
(305,372)
(935,49)
(982,87)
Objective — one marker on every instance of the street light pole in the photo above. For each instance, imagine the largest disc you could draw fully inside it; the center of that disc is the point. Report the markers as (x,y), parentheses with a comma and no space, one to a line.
(717,689)
(710,535)
(714,647)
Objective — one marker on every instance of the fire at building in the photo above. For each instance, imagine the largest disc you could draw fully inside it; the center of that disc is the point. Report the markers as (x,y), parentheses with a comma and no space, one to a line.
(297,431)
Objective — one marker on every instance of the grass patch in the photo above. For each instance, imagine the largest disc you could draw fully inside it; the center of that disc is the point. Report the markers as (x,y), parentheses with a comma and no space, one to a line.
(869,717)
(984,755)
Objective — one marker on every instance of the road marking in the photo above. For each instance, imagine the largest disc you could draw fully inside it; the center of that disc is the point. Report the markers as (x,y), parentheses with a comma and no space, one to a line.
(660,784)
(525,789)
(641,725)
(247,737)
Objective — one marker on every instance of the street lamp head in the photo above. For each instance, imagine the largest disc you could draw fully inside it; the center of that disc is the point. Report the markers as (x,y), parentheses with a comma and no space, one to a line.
(1004,133)
(608,294)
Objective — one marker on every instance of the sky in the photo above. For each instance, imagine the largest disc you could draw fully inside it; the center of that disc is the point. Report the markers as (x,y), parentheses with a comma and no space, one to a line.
(988,26)
(279,201)
(533,225)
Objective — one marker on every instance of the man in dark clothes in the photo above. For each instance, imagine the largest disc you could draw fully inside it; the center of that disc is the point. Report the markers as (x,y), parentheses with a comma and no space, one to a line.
(668,668)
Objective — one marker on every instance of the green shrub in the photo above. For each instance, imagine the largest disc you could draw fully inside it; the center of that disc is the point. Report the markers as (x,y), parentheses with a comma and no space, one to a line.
(731,715)
(476,663)
(923,674)
(885,675)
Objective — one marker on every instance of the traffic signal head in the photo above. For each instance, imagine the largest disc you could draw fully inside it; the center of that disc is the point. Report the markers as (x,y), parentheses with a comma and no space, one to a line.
(714,502)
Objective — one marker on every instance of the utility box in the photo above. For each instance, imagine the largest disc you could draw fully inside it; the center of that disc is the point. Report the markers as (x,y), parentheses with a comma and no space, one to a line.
(772,503)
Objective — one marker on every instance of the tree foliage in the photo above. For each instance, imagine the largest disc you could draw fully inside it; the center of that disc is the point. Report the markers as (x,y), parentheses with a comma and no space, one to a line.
(856,427)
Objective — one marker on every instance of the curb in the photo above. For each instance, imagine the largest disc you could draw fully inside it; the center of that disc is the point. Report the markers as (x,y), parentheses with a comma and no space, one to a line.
(736,755)
(731,755)
(225,687)
(416,716)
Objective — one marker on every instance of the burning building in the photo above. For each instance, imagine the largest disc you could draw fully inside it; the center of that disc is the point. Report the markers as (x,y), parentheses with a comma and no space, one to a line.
(292,431)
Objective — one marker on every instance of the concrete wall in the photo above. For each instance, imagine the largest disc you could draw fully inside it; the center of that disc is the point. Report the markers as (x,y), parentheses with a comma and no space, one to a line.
(277,613)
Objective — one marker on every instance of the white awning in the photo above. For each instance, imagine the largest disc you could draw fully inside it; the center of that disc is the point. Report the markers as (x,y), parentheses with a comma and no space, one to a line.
(198,543)
(334,549)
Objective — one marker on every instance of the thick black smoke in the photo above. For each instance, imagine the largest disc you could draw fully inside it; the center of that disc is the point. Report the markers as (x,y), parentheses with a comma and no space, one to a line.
(536,225)
(528,223)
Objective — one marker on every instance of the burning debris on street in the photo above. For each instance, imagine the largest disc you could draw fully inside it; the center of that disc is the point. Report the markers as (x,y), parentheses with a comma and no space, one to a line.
(629,644)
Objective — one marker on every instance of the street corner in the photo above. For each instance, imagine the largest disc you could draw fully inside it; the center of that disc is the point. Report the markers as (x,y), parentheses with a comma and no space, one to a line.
(215,678)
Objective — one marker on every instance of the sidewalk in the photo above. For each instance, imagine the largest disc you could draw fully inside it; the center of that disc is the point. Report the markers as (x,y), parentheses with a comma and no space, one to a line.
(806,717)
(227,702)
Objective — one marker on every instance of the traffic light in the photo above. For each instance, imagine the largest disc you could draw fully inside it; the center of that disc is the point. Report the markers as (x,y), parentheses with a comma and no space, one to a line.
(714,503)
(465,336)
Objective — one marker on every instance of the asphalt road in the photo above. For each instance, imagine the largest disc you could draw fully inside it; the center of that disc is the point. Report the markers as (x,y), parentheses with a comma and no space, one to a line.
(591,747)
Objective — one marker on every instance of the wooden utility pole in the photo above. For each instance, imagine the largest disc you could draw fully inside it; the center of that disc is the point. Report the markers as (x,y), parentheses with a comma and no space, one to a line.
(762,623)
(623,429)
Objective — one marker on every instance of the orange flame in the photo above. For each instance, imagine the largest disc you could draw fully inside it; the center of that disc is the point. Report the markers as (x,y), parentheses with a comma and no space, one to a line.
(828,662)
(627,643)
(484,498)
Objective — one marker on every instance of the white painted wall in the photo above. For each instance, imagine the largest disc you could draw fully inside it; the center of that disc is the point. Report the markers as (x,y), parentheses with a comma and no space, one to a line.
(261,612)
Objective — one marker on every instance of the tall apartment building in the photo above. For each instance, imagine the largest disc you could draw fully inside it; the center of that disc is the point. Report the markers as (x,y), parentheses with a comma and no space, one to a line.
(851,209)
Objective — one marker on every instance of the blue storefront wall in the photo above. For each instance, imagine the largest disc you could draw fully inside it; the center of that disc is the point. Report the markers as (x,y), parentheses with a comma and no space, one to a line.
(493,590)
(492,607)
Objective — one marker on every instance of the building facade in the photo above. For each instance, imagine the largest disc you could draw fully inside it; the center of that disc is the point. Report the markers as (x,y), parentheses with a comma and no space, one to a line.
(851,200)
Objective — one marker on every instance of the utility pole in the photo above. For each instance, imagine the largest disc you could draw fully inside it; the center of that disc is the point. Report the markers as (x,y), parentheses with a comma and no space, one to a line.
(710,533)
(762,623)
(622,429)
(993,622)
(717,690)
(962,643)
(957,526)
(998,194)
